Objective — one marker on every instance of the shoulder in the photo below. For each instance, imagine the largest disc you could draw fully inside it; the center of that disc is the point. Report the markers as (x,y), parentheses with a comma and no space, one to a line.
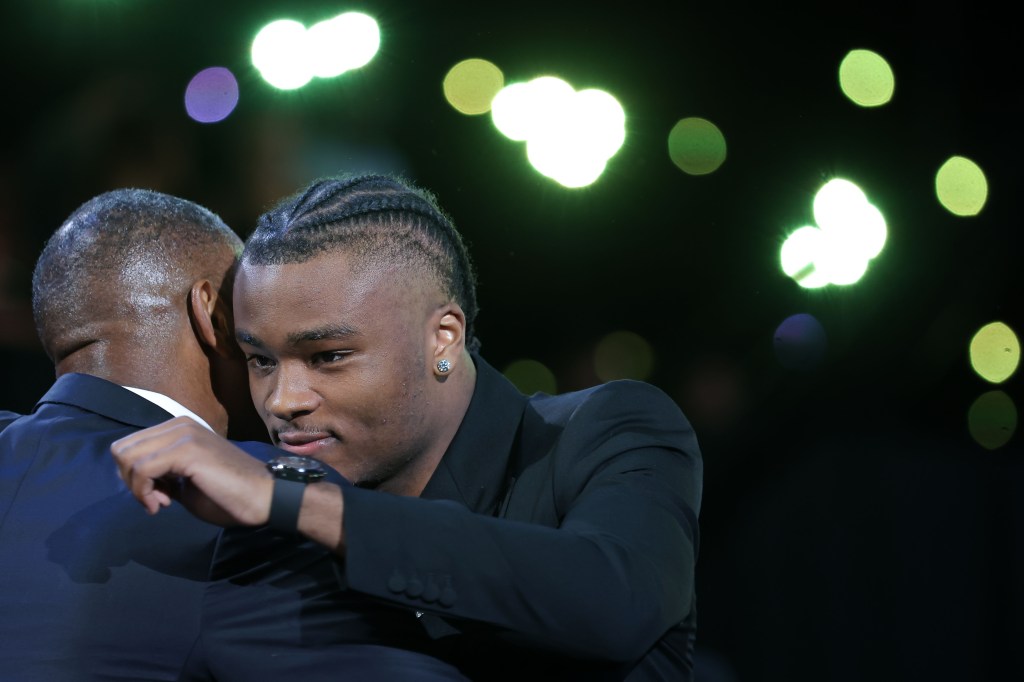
(6,417)
(609,434)
(258,449)
(622,401)
(605,421)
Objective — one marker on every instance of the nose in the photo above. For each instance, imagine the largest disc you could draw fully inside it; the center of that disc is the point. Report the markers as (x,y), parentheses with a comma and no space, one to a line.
(292,394)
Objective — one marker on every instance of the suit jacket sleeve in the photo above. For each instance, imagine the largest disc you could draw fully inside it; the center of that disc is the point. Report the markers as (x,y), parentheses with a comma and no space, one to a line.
(603,562)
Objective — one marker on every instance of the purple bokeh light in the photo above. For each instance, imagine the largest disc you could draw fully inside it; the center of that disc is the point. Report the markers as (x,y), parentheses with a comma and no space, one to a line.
(211,95)
(800,342)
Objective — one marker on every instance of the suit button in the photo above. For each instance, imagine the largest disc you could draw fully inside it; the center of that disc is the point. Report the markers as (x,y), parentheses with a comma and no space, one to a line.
(396,583)
(414,587)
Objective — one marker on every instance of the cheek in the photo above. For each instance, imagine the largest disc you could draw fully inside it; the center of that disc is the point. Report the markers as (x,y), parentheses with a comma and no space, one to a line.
(260,389)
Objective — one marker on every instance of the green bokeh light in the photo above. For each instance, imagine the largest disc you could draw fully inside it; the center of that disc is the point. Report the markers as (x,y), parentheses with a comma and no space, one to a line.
(696,146)
(961,187)
(866,78)
(995,352)
(992,419)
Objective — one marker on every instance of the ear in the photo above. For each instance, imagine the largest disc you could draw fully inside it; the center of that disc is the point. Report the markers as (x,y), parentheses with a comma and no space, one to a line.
(448,336)
(211,318)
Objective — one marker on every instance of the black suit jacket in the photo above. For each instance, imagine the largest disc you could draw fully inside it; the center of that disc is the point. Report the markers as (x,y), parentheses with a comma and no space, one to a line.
(556,541)
(91,587)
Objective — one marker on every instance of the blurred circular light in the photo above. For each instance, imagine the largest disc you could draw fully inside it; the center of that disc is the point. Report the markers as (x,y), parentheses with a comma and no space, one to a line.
(531,376)
(995,352)
(521,110)
(602,119)
(961,186)
(696,146)
(623,355)
(798,257)
(348,41)
(800,342)
(280,52)
(842,211)
(471,85)
(992,419)
(866,78)
(569,135)
(211,95)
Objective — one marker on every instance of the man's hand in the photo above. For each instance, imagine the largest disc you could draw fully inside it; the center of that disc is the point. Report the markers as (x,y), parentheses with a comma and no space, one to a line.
(181,460)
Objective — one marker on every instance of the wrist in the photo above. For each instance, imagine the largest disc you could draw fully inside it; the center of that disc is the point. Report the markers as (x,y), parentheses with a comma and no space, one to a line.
(292,474)
(286,505)
(321,519)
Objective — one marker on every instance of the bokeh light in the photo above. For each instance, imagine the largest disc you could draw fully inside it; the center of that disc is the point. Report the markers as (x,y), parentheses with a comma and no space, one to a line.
(961,187)
(288,55)
(866,78)
(211,95)
(623,355)
(995,352)
(992,419)
(348,41)
(279,53)
(696,146)
(471,85)
(800,342)
(531,376)
(569,135)
(850,233)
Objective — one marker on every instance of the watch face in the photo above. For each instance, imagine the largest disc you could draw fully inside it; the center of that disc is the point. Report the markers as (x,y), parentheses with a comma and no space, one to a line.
(297,468)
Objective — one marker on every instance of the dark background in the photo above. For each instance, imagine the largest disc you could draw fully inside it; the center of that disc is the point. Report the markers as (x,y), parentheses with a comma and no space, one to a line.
(851,528)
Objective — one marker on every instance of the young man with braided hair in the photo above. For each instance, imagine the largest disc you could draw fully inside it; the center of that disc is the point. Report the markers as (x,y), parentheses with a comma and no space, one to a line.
(544,537)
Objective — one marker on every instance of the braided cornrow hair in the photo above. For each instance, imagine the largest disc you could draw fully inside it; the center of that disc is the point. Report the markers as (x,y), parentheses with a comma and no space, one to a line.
(372,215)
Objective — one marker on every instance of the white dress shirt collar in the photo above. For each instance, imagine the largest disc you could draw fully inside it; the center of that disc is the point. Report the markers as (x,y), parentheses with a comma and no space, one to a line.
(169,404)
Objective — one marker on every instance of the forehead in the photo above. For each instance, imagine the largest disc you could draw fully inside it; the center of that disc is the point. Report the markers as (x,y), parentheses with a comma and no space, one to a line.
(326,290)
(327,281)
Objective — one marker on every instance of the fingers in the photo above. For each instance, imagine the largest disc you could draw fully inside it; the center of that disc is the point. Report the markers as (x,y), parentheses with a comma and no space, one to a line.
(183,461)
(146,457)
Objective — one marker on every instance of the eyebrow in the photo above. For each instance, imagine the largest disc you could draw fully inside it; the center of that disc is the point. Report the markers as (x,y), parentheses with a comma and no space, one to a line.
(325,333)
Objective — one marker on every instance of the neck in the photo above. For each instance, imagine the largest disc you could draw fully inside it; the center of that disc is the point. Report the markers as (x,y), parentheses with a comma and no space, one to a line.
(457,392)
(126,365)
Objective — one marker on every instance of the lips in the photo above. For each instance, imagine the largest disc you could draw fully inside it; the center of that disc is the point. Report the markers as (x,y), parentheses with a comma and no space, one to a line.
(303,443)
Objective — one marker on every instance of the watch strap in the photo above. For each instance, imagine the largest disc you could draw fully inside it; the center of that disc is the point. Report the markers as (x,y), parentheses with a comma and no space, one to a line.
(285,505)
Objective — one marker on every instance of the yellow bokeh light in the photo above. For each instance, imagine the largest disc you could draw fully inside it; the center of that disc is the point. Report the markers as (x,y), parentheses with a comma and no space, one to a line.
(866,78)
(961,186)
(471,85)
(623,355)
(992,419)
(531,376)
(995,352)
(696,146)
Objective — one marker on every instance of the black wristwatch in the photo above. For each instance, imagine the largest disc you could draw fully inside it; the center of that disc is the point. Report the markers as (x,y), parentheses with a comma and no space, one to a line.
(292,474)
